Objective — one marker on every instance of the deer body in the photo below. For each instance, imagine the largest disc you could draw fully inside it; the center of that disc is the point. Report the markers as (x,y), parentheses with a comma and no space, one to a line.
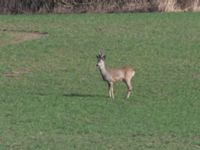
(124,74)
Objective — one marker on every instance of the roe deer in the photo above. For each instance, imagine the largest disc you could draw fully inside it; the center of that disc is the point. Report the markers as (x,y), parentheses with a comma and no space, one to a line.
(124,74)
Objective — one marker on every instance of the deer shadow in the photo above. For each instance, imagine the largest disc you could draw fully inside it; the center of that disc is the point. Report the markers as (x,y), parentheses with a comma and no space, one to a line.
(84,95)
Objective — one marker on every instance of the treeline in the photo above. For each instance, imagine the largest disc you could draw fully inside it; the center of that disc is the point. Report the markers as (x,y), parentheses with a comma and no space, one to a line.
(27,6)
(80,6)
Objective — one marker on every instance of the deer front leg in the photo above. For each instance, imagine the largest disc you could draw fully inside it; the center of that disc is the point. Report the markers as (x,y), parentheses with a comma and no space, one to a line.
(112,93)
(109,90)
(110,86)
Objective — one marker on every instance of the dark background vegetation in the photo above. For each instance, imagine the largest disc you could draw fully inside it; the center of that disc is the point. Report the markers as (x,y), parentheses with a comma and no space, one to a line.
(80,6)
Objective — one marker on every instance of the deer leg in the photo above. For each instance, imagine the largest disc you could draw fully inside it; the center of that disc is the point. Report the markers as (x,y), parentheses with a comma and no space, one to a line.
(129,86)
(112,93)
(109,90)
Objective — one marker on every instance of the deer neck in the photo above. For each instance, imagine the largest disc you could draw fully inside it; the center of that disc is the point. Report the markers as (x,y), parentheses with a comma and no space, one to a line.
(104,73)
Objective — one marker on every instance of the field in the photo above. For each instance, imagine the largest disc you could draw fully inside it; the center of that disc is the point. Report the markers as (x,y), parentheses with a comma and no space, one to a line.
(52,95)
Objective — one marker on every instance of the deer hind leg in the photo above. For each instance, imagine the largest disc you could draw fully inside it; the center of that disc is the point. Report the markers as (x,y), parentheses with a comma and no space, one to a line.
(129,86)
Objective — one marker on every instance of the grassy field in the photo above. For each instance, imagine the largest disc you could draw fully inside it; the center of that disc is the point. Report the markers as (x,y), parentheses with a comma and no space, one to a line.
(52,95)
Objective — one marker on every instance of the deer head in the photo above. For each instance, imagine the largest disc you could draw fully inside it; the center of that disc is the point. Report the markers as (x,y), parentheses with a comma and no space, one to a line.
(100,59)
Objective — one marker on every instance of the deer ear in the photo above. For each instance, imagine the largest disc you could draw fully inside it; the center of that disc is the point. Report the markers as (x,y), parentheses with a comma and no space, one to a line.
(104,57)
(97,56)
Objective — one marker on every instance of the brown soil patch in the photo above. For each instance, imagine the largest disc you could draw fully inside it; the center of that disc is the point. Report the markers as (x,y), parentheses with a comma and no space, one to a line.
(24,36)
(19,36)
(17,72)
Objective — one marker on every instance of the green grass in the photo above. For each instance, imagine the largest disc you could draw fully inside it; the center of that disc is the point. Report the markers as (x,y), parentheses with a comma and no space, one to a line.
(61,101)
